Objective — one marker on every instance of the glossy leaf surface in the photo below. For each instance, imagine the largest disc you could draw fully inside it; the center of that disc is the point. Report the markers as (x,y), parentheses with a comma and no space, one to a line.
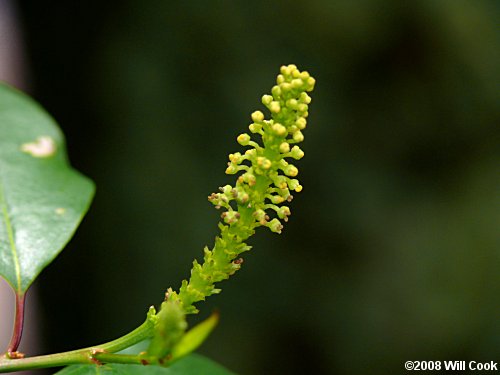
(191,365)
(42,199)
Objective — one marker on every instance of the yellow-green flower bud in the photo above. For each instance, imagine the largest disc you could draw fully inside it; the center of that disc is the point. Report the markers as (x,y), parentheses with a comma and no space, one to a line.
(251,152)
(267,99)
(263,162)
(291,170)
(302,107)
(285,86)
(235,158)
(255,128)
(310,83)
(298,136)
(296,153)
(243,139)
(301,123)
(276,91)
(231,169)
(285,70)
(297,83)
(257,116)
(280,79)
(284,147)
(274,107)
(304,98)
(276,199)
(292,103)
(279,130)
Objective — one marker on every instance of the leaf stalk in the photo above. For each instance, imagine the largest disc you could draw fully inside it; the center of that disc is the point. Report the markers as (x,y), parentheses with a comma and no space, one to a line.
(17,332)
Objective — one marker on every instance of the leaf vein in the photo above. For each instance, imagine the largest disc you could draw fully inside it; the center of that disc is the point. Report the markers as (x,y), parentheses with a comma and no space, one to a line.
(10,235)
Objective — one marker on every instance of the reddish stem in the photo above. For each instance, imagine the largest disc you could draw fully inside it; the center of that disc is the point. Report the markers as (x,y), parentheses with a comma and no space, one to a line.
(18,328)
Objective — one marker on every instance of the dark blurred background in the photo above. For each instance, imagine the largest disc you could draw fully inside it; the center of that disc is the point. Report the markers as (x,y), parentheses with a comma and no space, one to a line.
(393,249)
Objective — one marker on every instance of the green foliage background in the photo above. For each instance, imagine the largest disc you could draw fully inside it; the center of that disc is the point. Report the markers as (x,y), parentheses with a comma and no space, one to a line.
(392,252)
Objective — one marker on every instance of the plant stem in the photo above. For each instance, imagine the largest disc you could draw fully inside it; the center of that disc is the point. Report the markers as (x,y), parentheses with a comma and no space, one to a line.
(17,332)
(130,359)
(92,355)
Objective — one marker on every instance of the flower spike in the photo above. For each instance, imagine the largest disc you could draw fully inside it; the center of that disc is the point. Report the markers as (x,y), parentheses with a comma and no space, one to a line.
(259,191)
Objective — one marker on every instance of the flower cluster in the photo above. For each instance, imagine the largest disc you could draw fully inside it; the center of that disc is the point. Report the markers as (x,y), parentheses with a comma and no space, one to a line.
(266,183)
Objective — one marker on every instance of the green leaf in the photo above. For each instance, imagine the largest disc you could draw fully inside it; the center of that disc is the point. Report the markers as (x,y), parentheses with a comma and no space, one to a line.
(194,337)
(42,200)
(193,364)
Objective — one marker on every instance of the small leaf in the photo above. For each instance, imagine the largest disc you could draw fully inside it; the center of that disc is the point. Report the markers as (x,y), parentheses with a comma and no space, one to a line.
(191,365)
(42,199)
(193,338)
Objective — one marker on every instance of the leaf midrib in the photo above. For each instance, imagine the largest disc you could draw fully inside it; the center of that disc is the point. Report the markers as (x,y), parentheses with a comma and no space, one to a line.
(10,235)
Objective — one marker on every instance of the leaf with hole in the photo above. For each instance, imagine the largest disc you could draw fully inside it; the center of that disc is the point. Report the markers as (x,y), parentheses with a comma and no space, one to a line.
(42,199)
